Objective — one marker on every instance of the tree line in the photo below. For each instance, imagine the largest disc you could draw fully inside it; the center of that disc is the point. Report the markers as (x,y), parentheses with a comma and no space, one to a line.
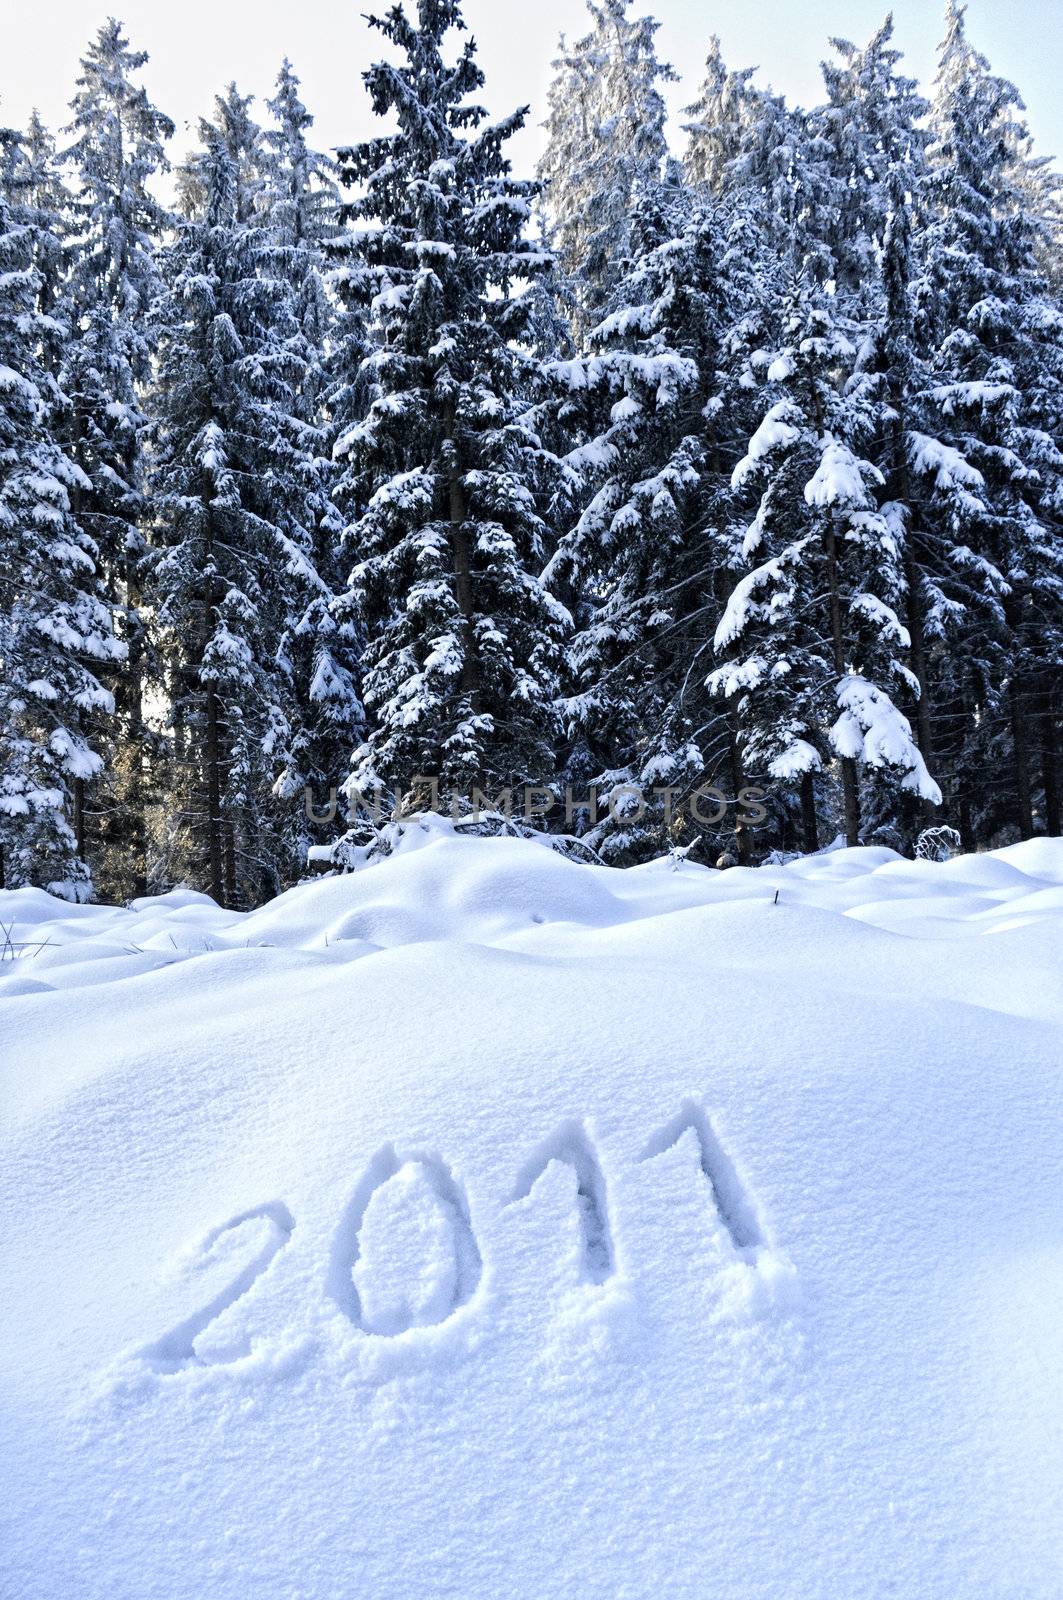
(736,468)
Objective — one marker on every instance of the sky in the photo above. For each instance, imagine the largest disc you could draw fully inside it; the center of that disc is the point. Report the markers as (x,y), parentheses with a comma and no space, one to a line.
(197,46)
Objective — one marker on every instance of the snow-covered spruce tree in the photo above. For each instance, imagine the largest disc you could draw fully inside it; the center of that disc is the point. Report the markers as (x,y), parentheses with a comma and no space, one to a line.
(738,135)
(812,642)
(872,133)
(229,485)
(725,106)
(318,649)
(605,141)
(462,641)
(870,146)
(118,148)
(37,187)
(56,632)
(1040,183)
(300,198)
(742,147)
(657,393)
(994,340)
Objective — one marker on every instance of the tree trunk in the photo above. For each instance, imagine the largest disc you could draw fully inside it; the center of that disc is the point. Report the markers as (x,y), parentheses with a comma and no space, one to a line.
(462,559)
(76,507)
(229,836)
(214,816)
(215,820)
(1021,744)
(923,730)
(79,816)
(1050,765)
(809,825)
(851,802)
(1018,707)
(924,737)
(902,487)
(135,733)
(958,715)
(743,835)
(850,789)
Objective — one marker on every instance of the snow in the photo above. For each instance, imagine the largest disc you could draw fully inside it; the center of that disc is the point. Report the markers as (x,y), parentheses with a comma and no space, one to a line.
(884,617)
(776,432)
(12,381)
(798,758)
(871,729)
(485,1224)
(742,598)
(946,465)
(839,478)
(953,397)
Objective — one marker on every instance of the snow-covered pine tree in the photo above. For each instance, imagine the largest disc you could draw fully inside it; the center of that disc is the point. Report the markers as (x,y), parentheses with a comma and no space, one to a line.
(56,631)
(605,142)
(118,148)
(462,641)
(994,340)
(318,649)
(812,641)
(230,484)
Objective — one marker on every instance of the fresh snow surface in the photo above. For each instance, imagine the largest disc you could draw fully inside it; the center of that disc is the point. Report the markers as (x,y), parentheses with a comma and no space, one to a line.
(487,1225)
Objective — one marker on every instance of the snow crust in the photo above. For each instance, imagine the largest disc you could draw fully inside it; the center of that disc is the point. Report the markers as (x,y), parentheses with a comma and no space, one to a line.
(485,1224)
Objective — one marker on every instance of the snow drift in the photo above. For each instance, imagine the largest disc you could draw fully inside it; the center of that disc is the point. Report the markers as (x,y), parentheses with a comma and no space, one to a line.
(483,1224)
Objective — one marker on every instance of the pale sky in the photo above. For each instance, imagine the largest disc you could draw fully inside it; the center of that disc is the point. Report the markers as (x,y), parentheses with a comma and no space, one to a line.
(197,46)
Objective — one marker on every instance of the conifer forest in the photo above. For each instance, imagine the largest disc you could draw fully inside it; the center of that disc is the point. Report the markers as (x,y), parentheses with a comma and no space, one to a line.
(725,453)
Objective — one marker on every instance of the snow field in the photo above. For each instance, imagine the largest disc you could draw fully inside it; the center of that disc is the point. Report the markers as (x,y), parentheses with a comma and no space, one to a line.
(482,1224)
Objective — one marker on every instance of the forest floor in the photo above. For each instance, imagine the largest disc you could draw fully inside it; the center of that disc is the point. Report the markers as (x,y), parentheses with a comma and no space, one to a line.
(482,1224)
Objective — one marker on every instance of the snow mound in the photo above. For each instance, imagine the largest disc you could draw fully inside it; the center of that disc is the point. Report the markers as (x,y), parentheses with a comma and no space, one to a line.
(485,1224)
